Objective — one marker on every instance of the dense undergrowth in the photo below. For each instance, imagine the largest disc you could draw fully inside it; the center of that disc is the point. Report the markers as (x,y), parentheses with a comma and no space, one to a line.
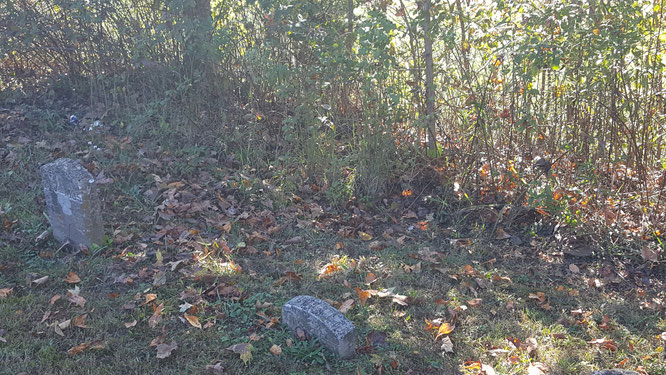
(552,109)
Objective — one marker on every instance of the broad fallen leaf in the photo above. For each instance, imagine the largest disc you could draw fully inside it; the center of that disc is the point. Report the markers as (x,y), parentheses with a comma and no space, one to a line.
(150,297)
(40,281)
(74,297)
(276,349)
(364,236)
(447,345)
(537,368)
(130,324)
(574,268)
(346,305)
(86,345)
(244,349)
(604,343)
(363,295)
(444,329)
(4,292)
(164,350)
(475,302)
(72,278)
(156,317)
(194,321)
(80,321)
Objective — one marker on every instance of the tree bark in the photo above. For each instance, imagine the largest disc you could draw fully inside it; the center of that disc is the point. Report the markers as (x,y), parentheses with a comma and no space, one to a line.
(430,78)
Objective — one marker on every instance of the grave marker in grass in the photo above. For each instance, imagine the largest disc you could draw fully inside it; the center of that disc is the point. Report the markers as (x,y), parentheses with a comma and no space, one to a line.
(72,204)
(319,319)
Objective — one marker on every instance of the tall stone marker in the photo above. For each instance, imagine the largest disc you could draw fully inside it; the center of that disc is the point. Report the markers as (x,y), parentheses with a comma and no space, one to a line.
(72,204)
(319,319)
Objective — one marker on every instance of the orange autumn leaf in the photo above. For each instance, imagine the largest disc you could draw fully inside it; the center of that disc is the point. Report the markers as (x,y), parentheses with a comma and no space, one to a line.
(407,193)
(370,278)
(363,295)
(72,278)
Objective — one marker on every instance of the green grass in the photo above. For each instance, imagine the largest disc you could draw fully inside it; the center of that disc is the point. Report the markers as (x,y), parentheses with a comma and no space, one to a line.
(480,333)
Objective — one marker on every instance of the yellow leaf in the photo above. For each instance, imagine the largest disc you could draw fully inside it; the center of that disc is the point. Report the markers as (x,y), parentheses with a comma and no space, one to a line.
(364,236)
(596,32)
(194,321)
(444,329)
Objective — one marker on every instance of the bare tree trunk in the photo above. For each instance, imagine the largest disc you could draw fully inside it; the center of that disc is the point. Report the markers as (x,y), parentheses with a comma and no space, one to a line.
(430,78)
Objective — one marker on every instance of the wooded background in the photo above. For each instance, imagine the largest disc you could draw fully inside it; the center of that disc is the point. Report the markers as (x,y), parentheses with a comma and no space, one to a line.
(368,98)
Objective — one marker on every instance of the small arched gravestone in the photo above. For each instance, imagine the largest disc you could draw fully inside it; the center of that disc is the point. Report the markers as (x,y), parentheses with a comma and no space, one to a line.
(72,204)
(321,320)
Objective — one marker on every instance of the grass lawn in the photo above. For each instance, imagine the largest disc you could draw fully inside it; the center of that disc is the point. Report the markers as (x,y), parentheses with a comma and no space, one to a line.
(193,234)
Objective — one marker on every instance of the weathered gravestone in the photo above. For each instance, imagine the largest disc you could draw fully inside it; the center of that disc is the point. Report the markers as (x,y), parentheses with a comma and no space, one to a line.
(319,319)
(72,204)
(615,372)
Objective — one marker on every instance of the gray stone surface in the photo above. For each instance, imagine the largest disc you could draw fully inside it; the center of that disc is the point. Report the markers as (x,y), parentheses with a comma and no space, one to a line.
(72,204)
(615,372)
(319,319)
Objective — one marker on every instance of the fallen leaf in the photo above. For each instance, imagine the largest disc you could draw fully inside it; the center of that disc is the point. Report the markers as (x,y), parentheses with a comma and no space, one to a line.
(501,234)
(72,278)
(469,270)
(5,292)
(475,302)
(130,324)
(444,329)
(604,343)
(346,305)
(447,345)
(80,321)
(650,253)
(363,295)
(156,317)
(574,268)
(276,349)
(74,297)
(376,245)
(540,297)
(364,236)
(244,349)
(194,321)
(40,281)
(150,297)
(164,350)
(86,345)
(537,368)
(370,278)
(215,368)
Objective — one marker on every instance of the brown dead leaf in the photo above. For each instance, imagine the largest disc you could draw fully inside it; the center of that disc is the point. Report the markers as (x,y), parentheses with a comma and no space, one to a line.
(72,278)
(475,302)
(604,343)
(370,278)
(193,320)
(80,321)
(276,349)
(346,305)
(469,270)
(74,297)
(164,350)
(363,295)
(5,292)
(150,297)
(651,253)
(156,318)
